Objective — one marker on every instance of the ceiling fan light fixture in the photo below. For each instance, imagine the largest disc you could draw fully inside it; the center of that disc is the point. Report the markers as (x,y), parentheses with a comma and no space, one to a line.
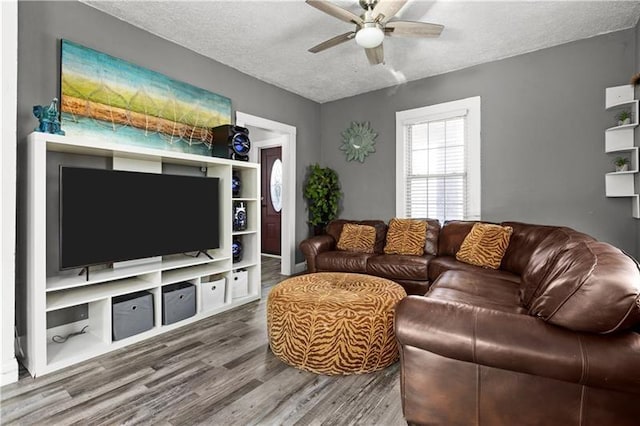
(369,36)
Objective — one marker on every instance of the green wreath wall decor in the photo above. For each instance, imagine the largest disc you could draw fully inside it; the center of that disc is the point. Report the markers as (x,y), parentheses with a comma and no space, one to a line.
(358,141)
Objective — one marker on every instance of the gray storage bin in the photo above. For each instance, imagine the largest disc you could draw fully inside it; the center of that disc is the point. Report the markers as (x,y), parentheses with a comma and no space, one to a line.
(131,314)
(178,302)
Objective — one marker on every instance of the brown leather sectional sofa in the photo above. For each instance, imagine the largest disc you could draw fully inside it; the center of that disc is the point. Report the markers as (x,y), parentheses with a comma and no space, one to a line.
(550,338)
(409,271)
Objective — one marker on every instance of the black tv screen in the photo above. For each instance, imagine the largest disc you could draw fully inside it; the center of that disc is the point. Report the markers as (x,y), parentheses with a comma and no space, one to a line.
(109,216)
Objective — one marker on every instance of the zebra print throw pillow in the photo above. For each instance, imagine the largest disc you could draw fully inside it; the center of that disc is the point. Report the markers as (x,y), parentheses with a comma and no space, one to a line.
(406,236)
(357,238)
(485,245)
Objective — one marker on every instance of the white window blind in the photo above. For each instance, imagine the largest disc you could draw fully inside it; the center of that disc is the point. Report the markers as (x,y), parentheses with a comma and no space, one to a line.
(436,173)
(438,169)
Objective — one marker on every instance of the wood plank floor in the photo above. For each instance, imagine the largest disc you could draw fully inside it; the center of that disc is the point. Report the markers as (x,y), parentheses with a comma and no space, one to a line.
(218,371)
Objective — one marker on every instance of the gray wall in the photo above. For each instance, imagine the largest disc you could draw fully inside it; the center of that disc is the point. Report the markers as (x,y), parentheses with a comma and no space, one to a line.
(41,25)
(543,122)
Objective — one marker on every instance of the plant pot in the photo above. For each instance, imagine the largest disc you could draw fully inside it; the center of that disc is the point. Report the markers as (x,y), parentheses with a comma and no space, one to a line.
(624,122)
(623,168)
(317,230)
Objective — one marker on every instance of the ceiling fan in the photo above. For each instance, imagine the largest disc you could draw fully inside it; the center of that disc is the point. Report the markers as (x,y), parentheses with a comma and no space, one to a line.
(372,26)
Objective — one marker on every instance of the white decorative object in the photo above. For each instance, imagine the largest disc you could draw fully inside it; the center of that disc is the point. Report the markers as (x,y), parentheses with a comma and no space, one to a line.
(46,293)
(623,168)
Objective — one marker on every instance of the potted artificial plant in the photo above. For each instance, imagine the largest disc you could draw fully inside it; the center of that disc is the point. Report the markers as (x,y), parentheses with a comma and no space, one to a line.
(622,164)
(624,118)
(322,192)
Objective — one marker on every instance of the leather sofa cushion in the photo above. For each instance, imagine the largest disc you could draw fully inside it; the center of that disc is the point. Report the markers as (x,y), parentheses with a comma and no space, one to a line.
(342,261)
(441,264)
(481,291)
(485,245)
(415,287)
(590,286)
(406,236)
(399,267)
(495,289)
(479,301)
(524,241)
(334,228)
(433,234)
(452,235)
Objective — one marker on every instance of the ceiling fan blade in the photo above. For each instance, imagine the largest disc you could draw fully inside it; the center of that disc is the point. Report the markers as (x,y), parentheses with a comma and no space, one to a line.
(333,42)
(335,11)
(412,29)
(375,55)
(387,9)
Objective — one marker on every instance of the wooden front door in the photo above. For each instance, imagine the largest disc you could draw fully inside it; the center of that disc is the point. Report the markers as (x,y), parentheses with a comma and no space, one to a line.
(271,199)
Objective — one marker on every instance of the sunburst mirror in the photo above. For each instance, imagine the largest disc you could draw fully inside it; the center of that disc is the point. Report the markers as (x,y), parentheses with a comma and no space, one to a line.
(358,141)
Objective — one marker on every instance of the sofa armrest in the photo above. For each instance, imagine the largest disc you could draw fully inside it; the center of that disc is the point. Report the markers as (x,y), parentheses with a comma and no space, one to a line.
(311,247)
(520,343)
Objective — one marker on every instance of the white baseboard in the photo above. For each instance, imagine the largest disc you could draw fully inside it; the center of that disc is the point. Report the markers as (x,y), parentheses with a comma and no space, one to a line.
(300,267)
(9,373)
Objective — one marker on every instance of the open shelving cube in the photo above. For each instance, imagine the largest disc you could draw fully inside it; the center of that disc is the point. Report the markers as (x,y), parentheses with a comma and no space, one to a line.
(249,176)
(95,339)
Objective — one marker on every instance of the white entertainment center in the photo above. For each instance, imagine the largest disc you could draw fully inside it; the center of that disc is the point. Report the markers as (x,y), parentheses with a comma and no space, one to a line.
(48,293)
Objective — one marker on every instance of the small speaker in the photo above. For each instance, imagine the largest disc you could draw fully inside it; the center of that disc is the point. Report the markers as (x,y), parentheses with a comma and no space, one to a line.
(231,141)
(236,250)
(239,216)
(236,184)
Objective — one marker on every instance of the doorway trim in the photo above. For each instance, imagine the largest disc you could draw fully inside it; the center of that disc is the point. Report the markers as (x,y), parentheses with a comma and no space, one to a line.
(8,164)
(288,143)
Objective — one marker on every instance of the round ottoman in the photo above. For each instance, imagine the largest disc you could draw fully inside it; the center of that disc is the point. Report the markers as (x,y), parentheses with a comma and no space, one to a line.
(334,323)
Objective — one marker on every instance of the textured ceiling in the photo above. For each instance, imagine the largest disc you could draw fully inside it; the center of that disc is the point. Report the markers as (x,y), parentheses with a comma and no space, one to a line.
(269,39)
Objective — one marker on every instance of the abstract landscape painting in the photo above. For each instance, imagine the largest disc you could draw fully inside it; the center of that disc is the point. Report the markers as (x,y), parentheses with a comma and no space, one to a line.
(121,102)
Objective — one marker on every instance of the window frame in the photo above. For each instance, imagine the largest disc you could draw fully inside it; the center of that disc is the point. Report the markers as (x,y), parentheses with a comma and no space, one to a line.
(472,146)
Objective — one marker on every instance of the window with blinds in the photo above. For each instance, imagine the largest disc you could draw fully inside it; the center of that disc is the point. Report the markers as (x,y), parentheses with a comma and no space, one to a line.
(438,175)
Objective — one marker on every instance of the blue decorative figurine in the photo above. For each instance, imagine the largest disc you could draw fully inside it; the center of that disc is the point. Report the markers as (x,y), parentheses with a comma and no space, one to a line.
(48,117)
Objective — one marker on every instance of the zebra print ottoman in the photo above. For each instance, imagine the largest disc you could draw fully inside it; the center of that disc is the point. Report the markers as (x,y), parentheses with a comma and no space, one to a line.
(334,323)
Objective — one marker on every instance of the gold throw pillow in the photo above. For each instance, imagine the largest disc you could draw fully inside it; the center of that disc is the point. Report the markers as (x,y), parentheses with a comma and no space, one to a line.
(485,245)
(406,236)
(358,238)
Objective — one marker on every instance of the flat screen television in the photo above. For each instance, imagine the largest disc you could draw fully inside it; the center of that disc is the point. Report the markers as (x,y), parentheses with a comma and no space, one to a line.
(111,216)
